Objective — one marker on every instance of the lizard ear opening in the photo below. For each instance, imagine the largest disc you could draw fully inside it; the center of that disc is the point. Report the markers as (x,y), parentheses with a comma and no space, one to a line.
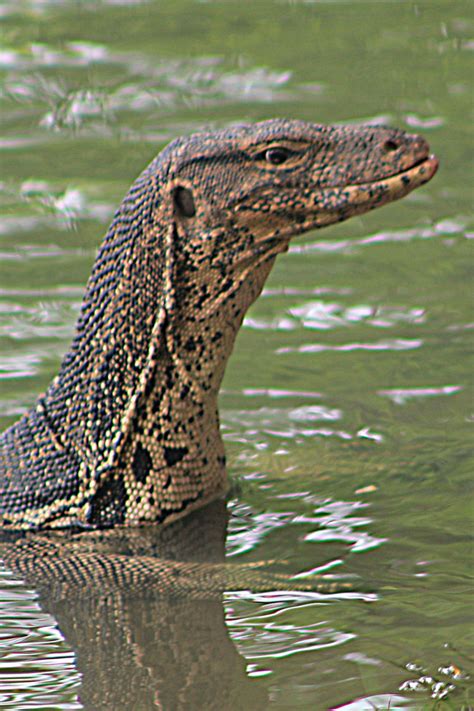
(184,201)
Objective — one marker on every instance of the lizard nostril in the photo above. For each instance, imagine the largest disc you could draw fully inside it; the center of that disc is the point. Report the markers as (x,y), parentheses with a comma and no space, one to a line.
(390,146)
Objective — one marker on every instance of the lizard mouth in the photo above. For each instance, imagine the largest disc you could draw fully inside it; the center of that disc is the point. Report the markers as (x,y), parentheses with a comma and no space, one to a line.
(359,198)
(419,173)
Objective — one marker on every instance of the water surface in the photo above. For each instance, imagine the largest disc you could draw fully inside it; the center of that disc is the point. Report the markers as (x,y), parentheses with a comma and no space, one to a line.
(347,404)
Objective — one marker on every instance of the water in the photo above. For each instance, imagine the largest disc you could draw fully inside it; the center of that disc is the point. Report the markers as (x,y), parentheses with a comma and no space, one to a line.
(346,407)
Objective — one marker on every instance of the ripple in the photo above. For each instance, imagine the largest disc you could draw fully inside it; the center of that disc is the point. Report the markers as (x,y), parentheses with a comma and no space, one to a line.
(295,291)
(14,407)
(38,671)
(276,324)
(461,327)
(337,523)
(400,395)
(12,224)
(266,634)
(394,702)
(200,81)
(335,519)
(50,291)
(324,315)
(32,251)
(20,142)
(308,413)
(360,658)
(53,319)
(275,393)
(67,206)
(53,207)
(251,426)
(446,226)
(247,529)
(89,52)
(418,122)
(376,120)
(365,433)
(268,416)
(74,54)
(395,344)
(19,366)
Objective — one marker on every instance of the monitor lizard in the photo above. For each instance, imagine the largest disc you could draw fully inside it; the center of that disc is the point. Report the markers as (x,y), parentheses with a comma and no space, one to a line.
(128,431)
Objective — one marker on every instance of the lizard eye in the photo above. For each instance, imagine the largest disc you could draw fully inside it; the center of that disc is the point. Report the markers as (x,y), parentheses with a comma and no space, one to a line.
(276,156)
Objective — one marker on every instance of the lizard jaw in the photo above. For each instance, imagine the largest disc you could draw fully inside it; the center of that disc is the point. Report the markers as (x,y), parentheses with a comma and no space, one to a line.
(418,174)
(344,202)
(370,195)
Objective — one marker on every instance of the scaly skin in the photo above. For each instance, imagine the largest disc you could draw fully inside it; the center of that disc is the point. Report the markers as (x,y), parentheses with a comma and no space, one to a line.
(128,432)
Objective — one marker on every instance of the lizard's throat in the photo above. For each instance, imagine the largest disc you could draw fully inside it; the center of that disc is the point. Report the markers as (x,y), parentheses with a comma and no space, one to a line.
(168,451)
(176,418)
(173,459)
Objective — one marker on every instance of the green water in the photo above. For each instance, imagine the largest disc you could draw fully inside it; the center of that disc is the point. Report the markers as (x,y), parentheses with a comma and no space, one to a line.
(346,407)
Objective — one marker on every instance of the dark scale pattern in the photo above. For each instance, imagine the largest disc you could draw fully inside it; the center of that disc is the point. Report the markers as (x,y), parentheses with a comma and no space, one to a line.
(134,406)
(142,463)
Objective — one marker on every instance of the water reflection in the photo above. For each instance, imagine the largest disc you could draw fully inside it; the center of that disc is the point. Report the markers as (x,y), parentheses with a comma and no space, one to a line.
(142,610)
(141,640)
(36,664)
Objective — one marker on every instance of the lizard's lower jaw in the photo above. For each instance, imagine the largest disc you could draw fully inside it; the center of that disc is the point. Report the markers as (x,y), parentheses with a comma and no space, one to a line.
(340,203)
(411,178)
(370,195)
(394,187)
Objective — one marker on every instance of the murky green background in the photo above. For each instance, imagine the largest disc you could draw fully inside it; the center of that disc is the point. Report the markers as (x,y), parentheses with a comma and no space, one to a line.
(346,406)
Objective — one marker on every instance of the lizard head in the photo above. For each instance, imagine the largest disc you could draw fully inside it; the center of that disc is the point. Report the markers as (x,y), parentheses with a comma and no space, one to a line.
(279,178)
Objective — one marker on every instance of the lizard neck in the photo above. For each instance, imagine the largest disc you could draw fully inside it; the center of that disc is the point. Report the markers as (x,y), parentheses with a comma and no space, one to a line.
(136,396)
(173,457)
